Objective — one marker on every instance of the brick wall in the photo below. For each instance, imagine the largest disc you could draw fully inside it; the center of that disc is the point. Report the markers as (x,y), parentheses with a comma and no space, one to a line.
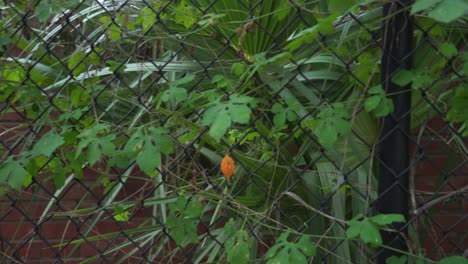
(23,234)
(439,171)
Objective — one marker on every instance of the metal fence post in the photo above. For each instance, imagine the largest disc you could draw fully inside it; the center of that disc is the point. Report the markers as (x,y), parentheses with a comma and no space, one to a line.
(393,146)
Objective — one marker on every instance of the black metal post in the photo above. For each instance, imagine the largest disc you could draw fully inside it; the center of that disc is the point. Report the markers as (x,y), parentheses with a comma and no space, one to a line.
(393,146)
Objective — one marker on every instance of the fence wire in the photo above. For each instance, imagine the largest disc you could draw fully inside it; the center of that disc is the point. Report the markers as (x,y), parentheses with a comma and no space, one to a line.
(116,118)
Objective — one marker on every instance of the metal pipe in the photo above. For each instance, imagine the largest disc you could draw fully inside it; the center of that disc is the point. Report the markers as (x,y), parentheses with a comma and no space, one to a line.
(393,145)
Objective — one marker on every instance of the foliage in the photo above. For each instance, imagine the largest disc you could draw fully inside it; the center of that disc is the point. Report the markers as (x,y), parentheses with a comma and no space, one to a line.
(453,260)
(220,115)
(378,103)
(441,10)
(457,112)
(237,245)
(367,228)
(182,220)
(331,122)
(287,252)
(161,91)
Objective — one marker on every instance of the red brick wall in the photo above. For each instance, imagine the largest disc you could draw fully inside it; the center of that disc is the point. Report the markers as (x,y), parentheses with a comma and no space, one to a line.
(23,234)
(440,170)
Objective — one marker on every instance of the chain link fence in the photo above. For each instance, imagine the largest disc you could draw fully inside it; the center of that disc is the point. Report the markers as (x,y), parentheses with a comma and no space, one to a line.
(118,118)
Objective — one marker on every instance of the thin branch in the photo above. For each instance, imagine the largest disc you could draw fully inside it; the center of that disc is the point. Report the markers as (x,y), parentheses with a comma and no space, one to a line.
(303,203)
(440,199)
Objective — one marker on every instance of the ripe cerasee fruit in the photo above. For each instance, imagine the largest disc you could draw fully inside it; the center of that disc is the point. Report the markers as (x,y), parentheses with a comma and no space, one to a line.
(227,166)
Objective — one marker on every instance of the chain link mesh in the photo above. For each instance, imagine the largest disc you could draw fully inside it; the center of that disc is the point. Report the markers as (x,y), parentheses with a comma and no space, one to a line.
(115,116)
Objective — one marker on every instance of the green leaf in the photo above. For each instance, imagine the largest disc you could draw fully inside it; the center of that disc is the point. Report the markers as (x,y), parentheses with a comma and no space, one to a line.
(43,11)
(284,236)
(20,178)
(186,14)
(239,253)
(221,115)
(295,44)
(454,260)
(220,81)
(174,94)
(370,233)
(93,153)
(327,134)
(423,5)
(186,79)
(282,257)
(240,113)
(76,96)
(165,144)
(119,160)
(241,99)
(457,111)
(47,144)
(59,177)
(81,145)
(396,260)
(76,63)
(238,68)
(149,147)
(331,123)
(291,115)
(147,18)
(183,228)
(449,10)
(420,260)
(105,20)
(383,107)
(237,248)
(116,67)
(286,252)
(365,229)
(307,247)
(354,228)
(372,103)
(106,145)
(296,256)
(376,90)
(177,229)
(14,174)
(121,214)
(272,251)
(194,209)
(385,219)
(422,80)
(277,108)
(114,32)
(191,231)
(403,77)
(448,49)
(135,142)
(230,227)
(220,125)
(281,114)
(211,114)
(179,205)
(279,120)
(149,159)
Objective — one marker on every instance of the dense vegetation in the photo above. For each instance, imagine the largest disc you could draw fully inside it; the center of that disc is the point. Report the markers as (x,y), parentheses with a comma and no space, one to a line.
(290,89)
